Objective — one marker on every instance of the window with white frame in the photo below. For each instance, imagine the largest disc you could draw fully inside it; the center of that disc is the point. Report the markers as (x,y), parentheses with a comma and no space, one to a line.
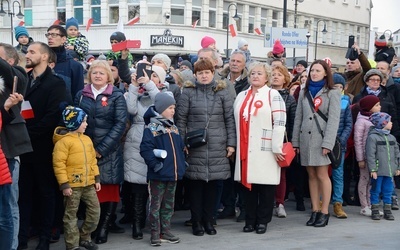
(225,15)
(252,16)
(358,36)
(60,7)
(113,11)
(333,33)
(154,11)
(133,9)
(78,10)
(196,11)
(263,19)
(96,11)
(178,11)
(240,14)
(28,18)
(275,17)
(212,14)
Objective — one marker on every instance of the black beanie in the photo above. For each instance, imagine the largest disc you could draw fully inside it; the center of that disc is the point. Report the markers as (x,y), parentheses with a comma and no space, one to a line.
(119,36)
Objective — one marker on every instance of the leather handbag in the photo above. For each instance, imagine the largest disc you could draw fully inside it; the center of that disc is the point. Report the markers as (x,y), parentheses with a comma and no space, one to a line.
(335,155)
(289,152)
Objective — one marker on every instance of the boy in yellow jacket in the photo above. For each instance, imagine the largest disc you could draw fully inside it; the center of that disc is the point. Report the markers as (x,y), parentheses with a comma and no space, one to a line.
(77,173)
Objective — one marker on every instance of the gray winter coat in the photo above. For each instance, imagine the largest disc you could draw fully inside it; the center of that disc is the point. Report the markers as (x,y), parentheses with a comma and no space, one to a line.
(306,135)
(208,162)
(382,153)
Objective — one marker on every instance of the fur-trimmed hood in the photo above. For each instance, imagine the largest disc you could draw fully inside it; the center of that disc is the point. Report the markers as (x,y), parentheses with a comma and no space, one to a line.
(225,72)
(216,85)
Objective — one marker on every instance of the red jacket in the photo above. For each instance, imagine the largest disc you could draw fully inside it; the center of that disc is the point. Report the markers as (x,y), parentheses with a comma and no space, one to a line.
(5,176)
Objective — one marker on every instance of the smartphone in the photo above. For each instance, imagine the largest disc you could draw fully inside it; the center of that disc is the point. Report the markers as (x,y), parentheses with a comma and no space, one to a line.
(15,84)
(143,66)
(351,41)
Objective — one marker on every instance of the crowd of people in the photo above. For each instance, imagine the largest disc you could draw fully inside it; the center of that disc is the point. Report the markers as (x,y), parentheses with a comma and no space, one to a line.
(81,135)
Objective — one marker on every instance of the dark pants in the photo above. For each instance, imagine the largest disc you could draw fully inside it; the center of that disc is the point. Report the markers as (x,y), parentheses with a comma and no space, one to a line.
(36,182)
(228,198)
(6,219)
(202,200)
(259,204)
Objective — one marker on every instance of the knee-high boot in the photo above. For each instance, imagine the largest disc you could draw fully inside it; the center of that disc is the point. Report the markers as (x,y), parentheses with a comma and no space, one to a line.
(112,226)
(139,215)
(102,228)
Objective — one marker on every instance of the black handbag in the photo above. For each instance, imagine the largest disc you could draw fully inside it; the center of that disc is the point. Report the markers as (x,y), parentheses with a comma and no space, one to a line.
(335,155)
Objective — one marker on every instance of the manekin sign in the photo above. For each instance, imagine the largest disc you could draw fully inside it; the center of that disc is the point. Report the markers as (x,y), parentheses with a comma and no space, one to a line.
(167,39)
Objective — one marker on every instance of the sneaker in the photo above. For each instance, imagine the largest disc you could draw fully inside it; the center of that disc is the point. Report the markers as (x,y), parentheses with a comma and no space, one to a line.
(366,211)
(88,245)
(155,241)
(395,203)
(168,237)
(280,211)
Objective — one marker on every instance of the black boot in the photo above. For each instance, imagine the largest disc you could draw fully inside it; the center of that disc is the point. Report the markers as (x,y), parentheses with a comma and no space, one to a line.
(113,227)
(139,215)
(102,228)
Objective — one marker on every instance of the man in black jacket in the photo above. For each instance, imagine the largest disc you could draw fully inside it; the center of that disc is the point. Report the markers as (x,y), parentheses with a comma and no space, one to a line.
(14,135)
(46,95)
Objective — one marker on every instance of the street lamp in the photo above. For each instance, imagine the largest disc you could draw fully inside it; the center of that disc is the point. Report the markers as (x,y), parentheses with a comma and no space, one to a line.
(235,17)
(324,31)
(11,14)
(308,39)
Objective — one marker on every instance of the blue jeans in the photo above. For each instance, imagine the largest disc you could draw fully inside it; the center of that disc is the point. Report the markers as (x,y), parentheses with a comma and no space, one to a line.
(6,220)
(13,165)
(382,185)
(337,181)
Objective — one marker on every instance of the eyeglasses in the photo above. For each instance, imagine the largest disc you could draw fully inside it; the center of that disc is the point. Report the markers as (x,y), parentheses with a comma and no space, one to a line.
(53,35)
(374,80)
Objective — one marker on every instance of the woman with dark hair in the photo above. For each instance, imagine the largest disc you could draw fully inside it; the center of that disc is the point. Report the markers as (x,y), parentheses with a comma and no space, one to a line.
(318,96)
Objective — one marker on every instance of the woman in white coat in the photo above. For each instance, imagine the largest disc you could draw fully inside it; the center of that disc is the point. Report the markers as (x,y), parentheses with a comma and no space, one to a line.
(260,116)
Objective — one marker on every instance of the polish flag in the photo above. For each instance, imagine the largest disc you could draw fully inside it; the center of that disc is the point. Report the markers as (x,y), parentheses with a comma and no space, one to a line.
(21,23)
(89,23)
(54,22)
(26,110)
(195,23)
(133,21)
(232,29)
(258,31)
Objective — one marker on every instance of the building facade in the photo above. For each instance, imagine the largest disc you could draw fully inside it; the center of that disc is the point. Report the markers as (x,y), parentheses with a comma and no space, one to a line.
(176,17)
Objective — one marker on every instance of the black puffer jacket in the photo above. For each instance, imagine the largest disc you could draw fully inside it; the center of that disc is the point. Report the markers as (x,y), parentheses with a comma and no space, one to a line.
(194,107)
(107,116)
(291,106)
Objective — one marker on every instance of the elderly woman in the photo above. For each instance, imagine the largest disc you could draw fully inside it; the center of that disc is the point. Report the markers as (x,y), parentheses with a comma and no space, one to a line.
(105,106)
(318,94)
(260,116)
(206,103)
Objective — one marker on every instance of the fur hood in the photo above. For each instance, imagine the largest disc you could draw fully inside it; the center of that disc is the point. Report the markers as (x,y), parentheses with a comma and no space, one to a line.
(218,85)
(225,72)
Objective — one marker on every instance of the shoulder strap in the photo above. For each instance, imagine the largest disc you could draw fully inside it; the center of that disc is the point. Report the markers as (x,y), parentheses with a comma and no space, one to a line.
(308,95)
(212,110)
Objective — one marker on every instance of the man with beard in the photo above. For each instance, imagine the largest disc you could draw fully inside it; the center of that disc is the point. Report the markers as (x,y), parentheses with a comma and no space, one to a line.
(45,94)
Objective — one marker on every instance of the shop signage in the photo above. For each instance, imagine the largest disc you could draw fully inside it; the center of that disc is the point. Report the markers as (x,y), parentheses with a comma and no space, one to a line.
(167,39)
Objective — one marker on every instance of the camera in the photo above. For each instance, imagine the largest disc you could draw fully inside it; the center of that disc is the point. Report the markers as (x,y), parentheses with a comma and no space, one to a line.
(167,15)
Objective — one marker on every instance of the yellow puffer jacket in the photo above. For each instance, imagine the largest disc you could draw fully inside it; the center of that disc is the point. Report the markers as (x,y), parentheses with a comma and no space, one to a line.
(74,159)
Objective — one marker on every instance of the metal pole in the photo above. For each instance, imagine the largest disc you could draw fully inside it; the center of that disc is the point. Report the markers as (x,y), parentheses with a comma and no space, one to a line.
(295,26)
(316,42)
(11,26)
(308,39)
(284,13)
(227,31)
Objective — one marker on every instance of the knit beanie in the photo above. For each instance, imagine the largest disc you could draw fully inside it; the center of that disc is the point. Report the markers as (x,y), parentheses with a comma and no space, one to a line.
(372,72)
(188,64)
(207,41)
(118,36)
(278,47)
(20,31)
(338,79)
(380,119)
(163,100)
(180,59)
(302,62)
(242,42)
(163,57)
(381,41)
(89,57)
(368,102)
(73,117)
(187,75)
(394,69)
(72,22)
(160,72)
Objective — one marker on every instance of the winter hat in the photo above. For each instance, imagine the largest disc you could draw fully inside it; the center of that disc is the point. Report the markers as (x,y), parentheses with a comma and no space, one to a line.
(101,57)
(72,22)
(20,31)
(278,47)
(160,72)
(337,78)
(118,36)
(242,42)
(380,119)
(381,41)
(188,64)
(207,41)
(372,72)
(302,62)
(163,100)
(394,69)
(89,57)
(180,59)
(163,57)
(73,117)
(368,102)
(187,75)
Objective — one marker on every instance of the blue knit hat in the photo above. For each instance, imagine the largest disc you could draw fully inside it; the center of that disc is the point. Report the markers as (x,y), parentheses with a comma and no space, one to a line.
(380,119)
(73,117)
(20,31)
(338,79)
(72,22)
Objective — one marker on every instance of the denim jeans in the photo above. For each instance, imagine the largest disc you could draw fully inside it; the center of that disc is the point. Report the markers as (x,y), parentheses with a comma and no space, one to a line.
(13,165)
(6,220)
(337,180)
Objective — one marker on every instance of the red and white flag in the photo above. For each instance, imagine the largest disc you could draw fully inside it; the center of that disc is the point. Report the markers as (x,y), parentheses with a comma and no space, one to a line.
(26,110)
(133,21)
(195,23)
(89,23)
(21,23)
(258,31)
(55,22)
(232,29)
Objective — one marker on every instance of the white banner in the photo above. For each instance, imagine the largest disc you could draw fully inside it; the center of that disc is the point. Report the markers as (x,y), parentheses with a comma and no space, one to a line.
(289,37)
